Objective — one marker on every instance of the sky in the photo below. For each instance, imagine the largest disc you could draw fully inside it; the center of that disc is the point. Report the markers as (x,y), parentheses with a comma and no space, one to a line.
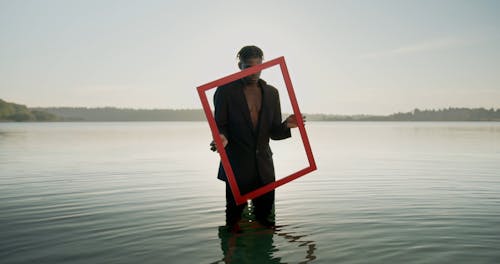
(344,57)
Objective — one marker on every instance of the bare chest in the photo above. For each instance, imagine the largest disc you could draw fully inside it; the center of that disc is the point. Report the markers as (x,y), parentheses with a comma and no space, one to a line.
(253,96)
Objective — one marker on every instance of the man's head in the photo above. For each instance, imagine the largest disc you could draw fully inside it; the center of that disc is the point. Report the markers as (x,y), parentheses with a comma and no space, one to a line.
(250,56)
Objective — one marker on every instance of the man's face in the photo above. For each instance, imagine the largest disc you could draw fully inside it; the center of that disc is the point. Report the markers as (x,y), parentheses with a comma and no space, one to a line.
(249,63)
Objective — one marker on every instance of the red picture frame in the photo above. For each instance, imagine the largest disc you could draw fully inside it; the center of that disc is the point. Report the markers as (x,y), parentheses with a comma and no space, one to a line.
(240,199)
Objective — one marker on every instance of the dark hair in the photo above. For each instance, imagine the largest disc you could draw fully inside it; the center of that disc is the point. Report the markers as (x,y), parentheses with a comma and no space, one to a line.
(249,52)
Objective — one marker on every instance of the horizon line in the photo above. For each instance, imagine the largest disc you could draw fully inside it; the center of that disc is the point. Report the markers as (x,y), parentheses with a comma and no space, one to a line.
(310,113)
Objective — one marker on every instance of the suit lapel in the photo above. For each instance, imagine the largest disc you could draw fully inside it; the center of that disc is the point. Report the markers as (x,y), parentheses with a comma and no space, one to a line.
(264,108)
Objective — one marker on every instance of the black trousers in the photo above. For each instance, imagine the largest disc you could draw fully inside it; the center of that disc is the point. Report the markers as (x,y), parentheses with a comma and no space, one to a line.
(262,206)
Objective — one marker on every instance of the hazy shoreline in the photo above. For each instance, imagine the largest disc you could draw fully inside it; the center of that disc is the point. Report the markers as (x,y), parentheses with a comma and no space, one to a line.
(13,112)
(200,121)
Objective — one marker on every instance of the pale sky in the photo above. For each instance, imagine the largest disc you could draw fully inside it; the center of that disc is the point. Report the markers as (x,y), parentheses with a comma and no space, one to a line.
(344,57)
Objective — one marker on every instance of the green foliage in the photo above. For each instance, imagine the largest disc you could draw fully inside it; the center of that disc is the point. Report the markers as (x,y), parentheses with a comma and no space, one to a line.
(44,116)
(19,113)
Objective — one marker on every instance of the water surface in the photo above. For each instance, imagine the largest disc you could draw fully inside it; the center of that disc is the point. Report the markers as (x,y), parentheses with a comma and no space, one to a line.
(146,192)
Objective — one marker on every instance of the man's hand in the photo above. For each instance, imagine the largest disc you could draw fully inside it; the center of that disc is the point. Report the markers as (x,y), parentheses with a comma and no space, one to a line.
(213,147)
(291,121)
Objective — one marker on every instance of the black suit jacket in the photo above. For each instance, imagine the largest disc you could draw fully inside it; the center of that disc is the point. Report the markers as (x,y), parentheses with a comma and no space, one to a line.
(248,149)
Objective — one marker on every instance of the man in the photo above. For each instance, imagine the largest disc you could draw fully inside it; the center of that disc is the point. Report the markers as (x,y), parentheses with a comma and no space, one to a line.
(248,114)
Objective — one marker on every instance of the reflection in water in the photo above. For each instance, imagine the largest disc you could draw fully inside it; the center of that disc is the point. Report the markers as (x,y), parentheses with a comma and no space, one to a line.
(256,244)
(128,192)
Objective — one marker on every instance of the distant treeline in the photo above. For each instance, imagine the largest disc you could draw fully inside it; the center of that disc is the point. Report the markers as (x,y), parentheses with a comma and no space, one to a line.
(124,114)
(17,112)
(446,114)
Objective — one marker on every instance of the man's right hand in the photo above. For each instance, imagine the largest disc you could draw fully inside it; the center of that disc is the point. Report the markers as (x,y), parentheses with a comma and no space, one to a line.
(213,147)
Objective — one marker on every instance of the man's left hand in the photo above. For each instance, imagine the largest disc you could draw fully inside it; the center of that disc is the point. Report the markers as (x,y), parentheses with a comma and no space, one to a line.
(291,121)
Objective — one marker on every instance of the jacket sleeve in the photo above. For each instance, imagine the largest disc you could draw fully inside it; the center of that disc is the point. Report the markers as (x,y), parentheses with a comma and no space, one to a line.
(279,130)
(221,111)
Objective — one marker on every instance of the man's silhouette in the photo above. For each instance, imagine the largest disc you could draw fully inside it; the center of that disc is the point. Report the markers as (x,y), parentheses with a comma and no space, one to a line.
(248,114)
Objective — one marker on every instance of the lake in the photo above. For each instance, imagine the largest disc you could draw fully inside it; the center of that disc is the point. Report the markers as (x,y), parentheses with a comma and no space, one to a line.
(146,192)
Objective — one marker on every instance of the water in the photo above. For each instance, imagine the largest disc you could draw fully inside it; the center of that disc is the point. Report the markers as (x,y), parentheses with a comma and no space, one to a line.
(147,192)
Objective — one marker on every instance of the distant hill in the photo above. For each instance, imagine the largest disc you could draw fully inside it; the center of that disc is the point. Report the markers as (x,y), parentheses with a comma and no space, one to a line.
(124,114)
(18,112)
(127,114)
